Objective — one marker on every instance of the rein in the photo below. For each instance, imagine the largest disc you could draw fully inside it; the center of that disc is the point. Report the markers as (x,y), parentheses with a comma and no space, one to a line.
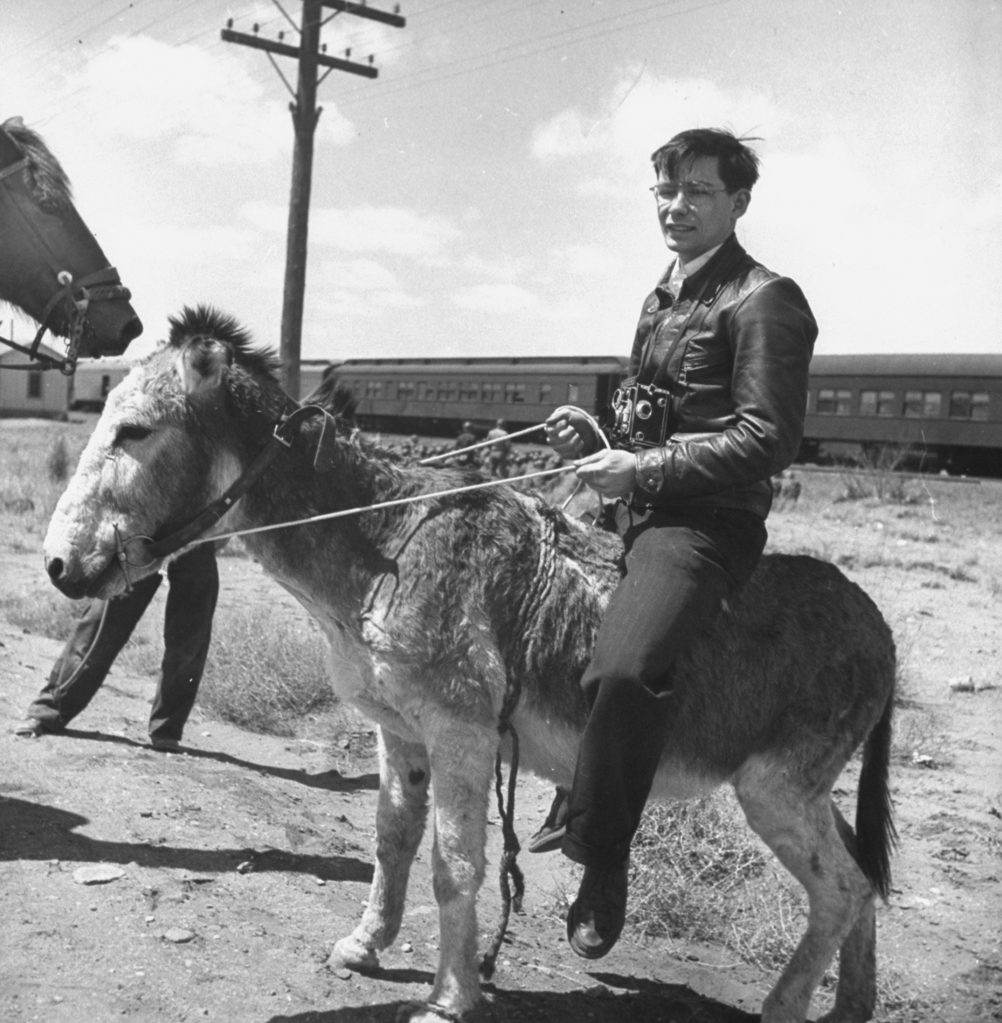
(156,548)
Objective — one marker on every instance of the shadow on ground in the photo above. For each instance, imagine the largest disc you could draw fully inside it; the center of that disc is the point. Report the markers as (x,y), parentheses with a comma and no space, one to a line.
(613,999)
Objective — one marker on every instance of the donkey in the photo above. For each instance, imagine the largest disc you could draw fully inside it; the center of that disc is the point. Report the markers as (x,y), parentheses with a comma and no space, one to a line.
(50,265)
(442,612)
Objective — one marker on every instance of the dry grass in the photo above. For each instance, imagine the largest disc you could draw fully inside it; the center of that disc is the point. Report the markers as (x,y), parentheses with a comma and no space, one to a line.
(262,678)
(699,874)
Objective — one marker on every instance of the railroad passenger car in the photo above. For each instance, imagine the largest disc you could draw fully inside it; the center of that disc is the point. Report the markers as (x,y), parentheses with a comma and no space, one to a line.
(435,396)
(946,408)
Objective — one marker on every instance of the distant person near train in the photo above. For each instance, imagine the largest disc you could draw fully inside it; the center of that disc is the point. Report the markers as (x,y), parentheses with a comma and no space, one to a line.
(499,451)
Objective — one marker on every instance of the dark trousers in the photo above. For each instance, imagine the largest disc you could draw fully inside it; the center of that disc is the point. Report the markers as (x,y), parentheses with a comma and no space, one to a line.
(104,628)
(678,569)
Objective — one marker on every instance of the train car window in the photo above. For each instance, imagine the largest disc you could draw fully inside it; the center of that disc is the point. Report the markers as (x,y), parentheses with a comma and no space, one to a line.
(877,403)
(923,404)
(969,405)
(573,394)
(468,390)
(514,394)
(406,389)
(373,389)
(834,402)
(492,392)
(545,392)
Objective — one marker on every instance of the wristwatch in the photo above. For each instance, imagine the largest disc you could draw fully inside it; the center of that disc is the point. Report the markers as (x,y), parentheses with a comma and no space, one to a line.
(650,469)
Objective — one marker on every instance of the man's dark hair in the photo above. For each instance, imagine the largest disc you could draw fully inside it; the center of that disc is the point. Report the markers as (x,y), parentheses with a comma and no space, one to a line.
(737,163)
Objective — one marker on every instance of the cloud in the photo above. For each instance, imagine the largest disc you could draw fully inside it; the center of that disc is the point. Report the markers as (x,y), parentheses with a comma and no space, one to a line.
(585,260)
(361,275)
(393,230)
(503,299)
(639,113)
(204,105)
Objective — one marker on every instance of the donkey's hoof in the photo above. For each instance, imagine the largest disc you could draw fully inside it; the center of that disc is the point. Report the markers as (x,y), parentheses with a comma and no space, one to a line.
(427,1012)
(350,954)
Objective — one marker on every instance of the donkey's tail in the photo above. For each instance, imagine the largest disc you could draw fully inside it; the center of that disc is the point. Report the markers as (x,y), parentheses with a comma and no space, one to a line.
(876,836)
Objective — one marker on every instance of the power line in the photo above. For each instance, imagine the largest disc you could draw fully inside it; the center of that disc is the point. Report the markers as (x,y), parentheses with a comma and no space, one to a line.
(604,27)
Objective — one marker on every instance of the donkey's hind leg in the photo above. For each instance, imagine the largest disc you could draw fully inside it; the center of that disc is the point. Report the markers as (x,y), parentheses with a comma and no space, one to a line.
(797,823)
(856,995)
(401,813)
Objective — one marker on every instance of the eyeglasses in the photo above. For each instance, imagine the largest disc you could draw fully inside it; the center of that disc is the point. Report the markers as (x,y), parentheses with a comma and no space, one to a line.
(667,192)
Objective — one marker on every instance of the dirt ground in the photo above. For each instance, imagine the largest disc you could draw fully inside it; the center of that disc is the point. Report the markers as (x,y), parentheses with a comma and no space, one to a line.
(232,869)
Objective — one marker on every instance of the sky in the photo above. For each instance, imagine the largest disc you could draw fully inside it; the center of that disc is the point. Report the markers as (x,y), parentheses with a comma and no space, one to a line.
(487,193)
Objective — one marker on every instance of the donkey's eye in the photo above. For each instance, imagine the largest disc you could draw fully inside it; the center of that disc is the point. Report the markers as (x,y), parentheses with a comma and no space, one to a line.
(131,432)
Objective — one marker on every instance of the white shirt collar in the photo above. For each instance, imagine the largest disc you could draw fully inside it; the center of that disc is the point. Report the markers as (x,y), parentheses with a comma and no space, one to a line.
(683,270)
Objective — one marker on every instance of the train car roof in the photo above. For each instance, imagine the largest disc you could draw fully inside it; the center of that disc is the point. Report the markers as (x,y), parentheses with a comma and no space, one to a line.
(514,365)
(945,364)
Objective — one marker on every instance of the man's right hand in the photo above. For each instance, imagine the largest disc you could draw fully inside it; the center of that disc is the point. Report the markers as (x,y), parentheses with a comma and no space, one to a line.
(570,434)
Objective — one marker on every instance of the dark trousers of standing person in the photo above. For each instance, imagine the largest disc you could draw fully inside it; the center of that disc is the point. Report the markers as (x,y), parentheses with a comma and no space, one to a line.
(104,628)
(678,569)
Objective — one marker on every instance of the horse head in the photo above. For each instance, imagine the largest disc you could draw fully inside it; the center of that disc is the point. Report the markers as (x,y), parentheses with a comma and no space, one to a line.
(174,435)
(51,266)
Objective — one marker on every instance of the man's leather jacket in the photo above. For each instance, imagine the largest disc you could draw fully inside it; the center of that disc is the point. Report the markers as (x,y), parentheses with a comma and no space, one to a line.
(734,351)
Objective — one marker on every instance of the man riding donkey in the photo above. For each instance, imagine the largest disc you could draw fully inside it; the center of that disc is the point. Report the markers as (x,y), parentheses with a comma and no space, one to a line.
(714,405)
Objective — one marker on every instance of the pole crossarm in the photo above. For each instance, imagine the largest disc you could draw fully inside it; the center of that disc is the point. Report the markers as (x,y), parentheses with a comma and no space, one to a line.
(365,11)
(271,46)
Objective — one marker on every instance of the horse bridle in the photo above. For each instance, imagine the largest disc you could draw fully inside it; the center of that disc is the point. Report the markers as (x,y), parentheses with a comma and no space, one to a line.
(76,293)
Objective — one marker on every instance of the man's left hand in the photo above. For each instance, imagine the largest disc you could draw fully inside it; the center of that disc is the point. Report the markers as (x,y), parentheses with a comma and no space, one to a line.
(611,472)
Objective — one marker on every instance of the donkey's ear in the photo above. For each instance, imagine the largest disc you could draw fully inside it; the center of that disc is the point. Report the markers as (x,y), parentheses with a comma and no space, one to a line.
(202,365)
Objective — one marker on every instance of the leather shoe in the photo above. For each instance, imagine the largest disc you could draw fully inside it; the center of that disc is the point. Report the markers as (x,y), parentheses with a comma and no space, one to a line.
(29,728)
(595,919)
(165,745)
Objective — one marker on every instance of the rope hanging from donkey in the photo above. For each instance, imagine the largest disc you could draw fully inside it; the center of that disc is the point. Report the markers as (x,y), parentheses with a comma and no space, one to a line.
(546,567)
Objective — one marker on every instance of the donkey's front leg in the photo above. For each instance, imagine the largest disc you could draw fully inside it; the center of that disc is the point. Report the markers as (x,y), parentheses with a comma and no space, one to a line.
(401,813)
(462,757)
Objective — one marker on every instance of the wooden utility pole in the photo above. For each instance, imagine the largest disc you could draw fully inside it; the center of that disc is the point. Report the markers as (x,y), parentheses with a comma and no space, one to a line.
(310,56)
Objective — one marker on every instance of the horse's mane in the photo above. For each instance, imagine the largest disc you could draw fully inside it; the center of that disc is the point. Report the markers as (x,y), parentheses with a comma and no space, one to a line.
(208,323)
(46,176)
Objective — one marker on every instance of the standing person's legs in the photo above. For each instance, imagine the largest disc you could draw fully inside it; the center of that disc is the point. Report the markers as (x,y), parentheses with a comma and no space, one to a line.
(102,629)
(191,603)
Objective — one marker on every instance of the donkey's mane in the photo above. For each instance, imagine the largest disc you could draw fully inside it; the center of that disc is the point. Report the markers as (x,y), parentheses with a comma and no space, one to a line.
(205,322)
(46,176)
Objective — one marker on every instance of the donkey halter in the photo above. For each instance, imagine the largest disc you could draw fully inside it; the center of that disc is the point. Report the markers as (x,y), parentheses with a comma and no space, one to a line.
(76,295)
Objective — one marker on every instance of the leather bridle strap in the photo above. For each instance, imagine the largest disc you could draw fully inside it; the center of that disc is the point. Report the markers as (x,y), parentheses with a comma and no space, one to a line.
(281,437)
